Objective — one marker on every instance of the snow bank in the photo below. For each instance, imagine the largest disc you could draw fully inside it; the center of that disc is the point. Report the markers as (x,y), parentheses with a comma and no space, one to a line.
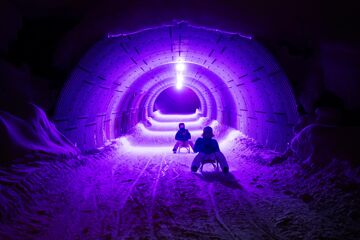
(33,135)
(317,144)
(76,198)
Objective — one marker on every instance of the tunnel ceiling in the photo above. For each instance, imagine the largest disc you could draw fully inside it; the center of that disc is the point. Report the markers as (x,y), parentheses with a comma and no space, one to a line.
(116,83)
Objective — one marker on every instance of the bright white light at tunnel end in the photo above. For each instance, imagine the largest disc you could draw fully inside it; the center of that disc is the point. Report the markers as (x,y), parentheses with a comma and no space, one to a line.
(180,67)
(179,85)
(179,81)
(180,77)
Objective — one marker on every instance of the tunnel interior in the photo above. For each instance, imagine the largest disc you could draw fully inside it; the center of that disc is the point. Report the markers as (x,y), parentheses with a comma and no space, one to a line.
(173,100)
(92,94)
(118,81)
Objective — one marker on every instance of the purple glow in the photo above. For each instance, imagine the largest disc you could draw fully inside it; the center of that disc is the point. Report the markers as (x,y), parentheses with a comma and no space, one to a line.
(164,133)
(111,167)
(179,84)
(237,81)
(224,142)
(176,117)
(173,123)
(141,149)
(163,128)
(112,35)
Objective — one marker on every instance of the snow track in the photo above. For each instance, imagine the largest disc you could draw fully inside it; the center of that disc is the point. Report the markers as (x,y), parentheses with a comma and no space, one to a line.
(130,191)
(153,195)
(123,192)
(217,215)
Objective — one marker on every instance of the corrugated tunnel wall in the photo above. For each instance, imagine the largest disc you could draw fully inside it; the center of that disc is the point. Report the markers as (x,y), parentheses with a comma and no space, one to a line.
(116,83)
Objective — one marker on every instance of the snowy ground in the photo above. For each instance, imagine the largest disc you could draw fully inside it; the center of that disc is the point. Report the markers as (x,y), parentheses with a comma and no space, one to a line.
(127,191)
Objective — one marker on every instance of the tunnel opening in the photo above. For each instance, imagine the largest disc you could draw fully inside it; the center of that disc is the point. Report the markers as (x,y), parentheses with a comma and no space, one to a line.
(177,101)
(236,80)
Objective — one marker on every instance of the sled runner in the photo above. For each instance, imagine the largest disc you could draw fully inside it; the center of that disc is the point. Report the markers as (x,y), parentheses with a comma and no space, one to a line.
(184,145)
(210,160)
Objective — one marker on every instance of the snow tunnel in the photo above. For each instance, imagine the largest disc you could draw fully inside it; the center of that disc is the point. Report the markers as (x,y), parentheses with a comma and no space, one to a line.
(117,82)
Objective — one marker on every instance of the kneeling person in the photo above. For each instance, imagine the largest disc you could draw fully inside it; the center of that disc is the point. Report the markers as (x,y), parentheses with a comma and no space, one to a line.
(208,148)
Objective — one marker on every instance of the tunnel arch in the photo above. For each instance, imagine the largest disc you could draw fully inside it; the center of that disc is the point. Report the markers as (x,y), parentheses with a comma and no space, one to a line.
(206,101)
(167,83)
(194,73)
(105,92)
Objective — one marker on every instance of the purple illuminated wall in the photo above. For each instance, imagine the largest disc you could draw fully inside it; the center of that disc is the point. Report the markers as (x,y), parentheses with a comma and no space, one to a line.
(117,82)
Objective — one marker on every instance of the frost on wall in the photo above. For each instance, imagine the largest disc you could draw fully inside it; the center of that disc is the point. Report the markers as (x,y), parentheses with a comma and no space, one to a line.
(32,135)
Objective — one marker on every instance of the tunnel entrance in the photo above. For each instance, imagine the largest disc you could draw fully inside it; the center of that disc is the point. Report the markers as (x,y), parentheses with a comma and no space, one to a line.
(236,80)
(177,101)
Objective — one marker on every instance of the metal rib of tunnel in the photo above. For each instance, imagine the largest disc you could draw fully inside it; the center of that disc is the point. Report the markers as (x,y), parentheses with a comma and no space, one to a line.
(115,85)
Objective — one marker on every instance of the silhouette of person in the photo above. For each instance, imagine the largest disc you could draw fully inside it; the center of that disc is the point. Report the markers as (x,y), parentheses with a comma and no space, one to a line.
(182,138)
(208,148)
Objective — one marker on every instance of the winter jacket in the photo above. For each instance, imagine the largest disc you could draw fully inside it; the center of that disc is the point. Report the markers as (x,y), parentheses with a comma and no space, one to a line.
(182,135)
(206,145)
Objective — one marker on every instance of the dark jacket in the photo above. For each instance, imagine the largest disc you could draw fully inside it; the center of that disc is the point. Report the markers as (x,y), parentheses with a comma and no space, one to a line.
(206,145)
(182,135)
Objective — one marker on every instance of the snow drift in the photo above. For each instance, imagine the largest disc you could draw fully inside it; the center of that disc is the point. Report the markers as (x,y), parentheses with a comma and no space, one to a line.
(318,144)
(32,135)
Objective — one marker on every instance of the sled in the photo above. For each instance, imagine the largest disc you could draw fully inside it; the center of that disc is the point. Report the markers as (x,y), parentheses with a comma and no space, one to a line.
(184,145)
(209,160)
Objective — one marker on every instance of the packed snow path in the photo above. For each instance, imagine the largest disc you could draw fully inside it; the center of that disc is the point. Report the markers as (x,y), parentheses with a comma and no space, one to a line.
(143,192)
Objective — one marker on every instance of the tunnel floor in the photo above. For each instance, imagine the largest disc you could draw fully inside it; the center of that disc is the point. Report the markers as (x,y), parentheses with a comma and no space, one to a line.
(131,192)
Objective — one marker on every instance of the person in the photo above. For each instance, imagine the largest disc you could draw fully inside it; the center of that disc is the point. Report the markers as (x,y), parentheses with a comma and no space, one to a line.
(208,148)
(182,137)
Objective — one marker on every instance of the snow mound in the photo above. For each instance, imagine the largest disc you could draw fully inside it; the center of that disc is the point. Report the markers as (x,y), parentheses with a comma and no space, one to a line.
(318,144)
(33,135)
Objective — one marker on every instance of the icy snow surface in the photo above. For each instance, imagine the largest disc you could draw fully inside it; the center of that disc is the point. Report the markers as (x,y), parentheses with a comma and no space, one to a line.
(136,188)
(32,135)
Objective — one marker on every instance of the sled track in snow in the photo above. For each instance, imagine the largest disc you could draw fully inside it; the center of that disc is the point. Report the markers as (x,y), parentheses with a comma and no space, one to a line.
(153,196)
(216,211)
(254,218)
(251,216)
(128,195)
